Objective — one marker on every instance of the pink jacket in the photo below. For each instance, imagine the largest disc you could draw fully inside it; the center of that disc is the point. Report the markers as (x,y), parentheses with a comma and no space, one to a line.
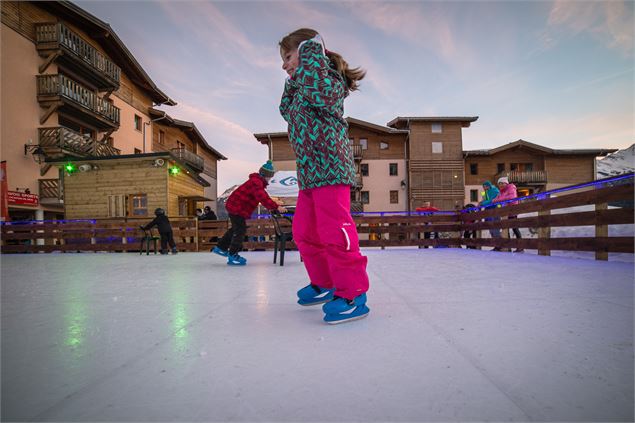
(507,193)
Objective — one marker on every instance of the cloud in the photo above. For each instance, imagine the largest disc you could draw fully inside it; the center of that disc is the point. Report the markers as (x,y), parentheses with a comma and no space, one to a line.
(610,21)
(213,29)
(591,130)
(427,28)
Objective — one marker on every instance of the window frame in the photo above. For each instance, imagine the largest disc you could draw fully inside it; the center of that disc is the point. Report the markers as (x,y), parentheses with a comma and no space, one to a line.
(473,168)
(390,169)
(138,122)
(142,197)
(396,199)
(363,166)
(439,144)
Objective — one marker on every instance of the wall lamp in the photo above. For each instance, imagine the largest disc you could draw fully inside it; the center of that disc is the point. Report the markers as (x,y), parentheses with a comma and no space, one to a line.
(36,151)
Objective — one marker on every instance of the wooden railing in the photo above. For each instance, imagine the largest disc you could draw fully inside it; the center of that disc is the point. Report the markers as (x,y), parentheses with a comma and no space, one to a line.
(68,140)
(375,231)
(190,158)
(357,151)
(60,85)
(50,191)
(524,177)
(48,34)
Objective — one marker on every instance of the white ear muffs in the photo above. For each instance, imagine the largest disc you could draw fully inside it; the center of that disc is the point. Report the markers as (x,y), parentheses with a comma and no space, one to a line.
(318,39)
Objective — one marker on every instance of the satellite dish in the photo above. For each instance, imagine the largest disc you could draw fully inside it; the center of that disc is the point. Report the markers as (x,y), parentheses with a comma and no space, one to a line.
(159,162)
(85,167)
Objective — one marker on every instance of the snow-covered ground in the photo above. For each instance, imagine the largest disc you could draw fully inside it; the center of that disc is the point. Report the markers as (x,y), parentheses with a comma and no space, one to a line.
(123,337)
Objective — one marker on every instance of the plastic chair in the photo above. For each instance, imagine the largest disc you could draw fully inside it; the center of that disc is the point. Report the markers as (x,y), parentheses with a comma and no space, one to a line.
(145,241)
(283,234)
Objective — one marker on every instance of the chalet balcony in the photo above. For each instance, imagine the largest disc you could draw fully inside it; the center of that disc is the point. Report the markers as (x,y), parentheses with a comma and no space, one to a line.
(58,42)
(61,92)
(193,160)
(534,177)
(357,207)
(61,141)
(51,191)
(359,182)
(357,151)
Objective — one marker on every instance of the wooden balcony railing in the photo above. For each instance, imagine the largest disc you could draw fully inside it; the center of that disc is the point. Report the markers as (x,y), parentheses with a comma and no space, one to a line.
(194,160)
(62,86)
(526,177)
(50,36)
(357,151)
(65,140)
(359,183)
(51,191)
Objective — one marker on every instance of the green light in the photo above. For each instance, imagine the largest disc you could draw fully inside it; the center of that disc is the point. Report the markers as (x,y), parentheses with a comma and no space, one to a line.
(174,170)
(70,167)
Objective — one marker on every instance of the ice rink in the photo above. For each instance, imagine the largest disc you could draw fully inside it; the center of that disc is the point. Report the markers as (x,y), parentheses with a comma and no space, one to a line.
(453,335)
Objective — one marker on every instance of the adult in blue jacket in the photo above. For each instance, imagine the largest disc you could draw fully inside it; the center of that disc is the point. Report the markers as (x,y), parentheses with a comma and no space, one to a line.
(490,193)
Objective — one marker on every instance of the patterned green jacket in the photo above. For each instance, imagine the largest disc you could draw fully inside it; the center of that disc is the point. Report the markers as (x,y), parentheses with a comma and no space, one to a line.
(313,106)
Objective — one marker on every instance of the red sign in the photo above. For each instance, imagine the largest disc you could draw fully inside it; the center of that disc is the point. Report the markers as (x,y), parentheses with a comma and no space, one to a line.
(4,201)
(22,198)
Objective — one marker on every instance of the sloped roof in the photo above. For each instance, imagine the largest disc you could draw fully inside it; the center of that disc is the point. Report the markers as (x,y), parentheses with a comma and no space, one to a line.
(103,33)
(264,137)
(403,120)
(540,148)
(188,127)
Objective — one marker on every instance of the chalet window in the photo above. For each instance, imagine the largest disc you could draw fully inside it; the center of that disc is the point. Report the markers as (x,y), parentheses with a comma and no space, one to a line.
(473,196)
(137,122)
(500,167)
(162,137)
(138,204)
(437,128)
(365,197)
(383,145)
(437,148)
(394,197)
(513,166)
(529,167)
(364,143)
(473,168)
(364,169)
(392,168)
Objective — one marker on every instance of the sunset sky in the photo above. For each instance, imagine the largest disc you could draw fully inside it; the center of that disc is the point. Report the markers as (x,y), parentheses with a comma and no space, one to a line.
(558,74)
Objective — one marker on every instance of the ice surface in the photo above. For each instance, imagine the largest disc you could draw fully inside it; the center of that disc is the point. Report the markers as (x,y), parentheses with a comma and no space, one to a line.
(453,335)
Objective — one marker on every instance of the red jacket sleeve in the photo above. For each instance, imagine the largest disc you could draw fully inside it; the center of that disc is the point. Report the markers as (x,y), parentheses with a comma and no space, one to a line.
(263,198)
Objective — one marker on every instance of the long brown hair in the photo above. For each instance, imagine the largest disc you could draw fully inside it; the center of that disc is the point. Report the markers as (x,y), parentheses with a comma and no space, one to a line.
(351,76)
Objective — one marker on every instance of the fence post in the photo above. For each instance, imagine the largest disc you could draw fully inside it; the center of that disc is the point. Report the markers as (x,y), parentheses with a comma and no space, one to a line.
(544,233)
(601,231)
(504,233)
(196,234)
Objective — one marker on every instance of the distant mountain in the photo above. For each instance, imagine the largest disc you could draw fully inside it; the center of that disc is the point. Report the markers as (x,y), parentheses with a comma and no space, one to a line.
(221,212)
(618,163)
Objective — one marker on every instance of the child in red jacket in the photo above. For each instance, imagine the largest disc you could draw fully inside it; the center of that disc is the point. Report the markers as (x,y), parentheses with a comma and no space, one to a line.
(240,205)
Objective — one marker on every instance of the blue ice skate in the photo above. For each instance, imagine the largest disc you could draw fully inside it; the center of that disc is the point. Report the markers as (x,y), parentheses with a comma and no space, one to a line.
(341,310)
(220,252)
(236,260)
(313,294)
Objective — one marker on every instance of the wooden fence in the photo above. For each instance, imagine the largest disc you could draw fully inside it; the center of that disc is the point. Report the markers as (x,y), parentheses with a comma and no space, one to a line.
(375,231)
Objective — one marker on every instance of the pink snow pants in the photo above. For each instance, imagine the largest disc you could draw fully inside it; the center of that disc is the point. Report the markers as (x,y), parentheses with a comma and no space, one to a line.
(325,234)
